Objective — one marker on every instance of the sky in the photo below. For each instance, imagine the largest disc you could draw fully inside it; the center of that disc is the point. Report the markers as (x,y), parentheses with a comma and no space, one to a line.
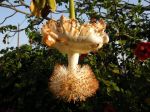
(20,19)
(15,20)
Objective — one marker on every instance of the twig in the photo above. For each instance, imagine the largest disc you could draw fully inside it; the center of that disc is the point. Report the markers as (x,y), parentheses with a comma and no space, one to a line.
(13,8)
(16,30)
(62,11)
(7,18)
(23,3)
(13,34)
(9,2)
(147,1)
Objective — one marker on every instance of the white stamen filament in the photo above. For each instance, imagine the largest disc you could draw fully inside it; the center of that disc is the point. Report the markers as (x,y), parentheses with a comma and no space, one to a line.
(73,61)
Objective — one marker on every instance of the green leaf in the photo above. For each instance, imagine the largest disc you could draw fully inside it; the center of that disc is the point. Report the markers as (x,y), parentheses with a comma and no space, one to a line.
(19,65)
(115,87)
(116,71)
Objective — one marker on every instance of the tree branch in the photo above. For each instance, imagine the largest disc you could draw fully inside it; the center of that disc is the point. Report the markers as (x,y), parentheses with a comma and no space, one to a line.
(23,3)
(16,30)
(13,8)
(13,34)
(8,17)
(147,1)
(61,11)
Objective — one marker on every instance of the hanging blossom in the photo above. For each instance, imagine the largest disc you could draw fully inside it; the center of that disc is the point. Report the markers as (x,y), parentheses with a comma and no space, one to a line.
(74,82)
(142,50)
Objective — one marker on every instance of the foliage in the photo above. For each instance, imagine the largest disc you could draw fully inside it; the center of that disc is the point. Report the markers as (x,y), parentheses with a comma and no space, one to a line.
(124,79)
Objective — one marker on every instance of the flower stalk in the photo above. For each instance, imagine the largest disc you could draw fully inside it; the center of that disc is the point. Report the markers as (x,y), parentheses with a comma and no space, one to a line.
(72,9)
(73,57)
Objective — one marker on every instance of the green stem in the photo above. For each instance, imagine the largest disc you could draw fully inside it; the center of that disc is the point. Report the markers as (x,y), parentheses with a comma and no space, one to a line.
(72,9)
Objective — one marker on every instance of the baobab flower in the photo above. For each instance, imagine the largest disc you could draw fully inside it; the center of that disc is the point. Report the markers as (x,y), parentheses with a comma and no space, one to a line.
(68,35)
(75,82)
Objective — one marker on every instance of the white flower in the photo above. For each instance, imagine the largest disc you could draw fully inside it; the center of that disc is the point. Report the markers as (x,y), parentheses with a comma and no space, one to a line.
(68,35)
